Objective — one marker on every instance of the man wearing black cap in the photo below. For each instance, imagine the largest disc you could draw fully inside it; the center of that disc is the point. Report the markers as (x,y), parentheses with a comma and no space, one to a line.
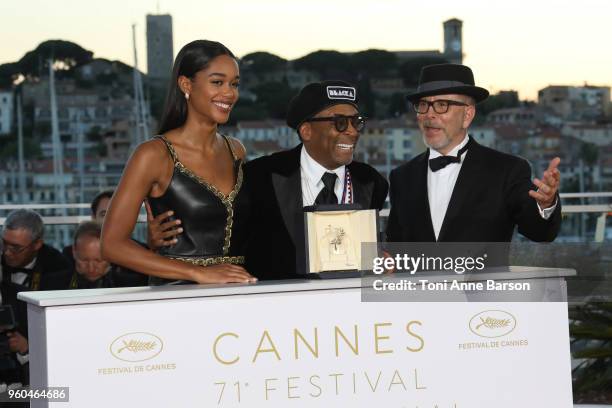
(321,170)
(458,190)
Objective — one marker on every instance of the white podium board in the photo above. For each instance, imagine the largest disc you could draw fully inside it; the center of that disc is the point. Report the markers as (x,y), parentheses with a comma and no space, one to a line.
(297,344)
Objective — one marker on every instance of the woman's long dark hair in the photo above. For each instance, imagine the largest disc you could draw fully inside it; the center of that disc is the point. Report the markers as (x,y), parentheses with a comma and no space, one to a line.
(192,58)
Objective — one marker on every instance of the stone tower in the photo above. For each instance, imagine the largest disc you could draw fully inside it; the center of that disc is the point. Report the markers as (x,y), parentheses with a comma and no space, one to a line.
(453,46)
(160,53)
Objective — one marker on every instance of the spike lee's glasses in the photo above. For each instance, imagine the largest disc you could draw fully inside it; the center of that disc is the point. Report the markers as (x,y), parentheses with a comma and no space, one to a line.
(341,122)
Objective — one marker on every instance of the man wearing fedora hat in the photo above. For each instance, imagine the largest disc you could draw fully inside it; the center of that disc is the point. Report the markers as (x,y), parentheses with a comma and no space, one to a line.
(458,190)
(320,170)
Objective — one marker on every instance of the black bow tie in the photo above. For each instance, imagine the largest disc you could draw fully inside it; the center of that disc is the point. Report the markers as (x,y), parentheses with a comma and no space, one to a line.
(443,161)
(19,270)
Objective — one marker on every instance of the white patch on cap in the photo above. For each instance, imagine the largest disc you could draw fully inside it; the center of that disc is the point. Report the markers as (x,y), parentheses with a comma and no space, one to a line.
(341,92)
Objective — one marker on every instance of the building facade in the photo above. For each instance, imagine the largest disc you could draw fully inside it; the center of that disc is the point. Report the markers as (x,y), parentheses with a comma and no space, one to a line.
(160,50)
(6,112)
(577,102)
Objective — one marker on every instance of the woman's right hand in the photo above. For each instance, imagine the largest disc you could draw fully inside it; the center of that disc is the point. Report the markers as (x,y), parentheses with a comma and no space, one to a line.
(222,273)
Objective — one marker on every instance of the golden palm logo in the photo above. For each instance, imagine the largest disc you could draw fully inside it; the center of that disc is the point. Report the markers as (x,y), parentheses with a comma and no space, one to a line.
(492,323)
(136,347)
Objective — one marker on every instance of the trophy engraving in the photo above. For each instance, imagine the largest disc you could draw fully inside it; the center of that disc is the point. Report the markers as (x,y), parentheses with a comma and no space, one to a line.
(334,239)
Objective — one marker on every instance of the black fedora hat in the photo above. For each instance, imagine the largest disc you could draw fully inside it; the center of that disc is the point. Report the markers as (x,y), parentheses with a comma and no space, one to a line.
(440,79)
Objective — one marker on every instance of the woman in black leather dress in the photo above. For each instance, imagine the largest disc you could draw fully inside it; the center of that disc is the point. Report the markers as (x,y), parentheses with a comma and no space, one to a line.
(189,169)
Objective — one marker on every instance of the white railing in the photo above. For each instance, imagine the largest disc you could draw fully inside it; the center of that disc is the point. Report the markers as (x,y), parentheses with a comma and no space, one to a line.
(603,209)
(59,219)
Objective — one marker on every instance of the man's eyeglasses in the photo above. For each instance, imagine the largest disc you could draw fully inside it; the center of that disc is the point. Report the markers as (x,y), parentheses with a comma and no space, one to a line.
(341,122)
(15,249)
(439,106)
(87,262)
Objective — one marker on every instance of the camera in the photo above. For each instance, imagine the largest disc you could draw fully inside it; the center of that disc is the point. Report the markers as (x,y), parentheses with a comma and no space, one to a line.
(7,323)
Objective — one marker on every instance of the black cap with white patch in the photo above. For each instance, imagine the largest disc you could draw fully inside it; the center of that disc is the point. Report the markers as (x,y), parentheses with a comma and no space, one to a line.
(316,96)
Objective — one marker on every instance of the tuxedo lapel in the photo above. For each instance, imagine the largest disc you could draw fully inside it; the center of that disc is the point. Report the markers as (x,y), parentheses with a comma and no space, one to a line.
(424,223)
(287,184)
(468,176)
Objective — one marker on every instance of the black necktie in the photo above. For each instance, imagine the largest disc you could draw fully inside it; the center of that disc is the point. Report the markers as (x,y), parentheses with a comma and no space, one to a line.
(327,195)
(443,161)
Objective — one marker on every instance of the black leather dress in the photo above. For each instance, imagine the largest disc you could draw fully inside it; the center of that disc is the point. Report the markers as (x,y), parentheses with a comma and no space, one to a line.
(213,228)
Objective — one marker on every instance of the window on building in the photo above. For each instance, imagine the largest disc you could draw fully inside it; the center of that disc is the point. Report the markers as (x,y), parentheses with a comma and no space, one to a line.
(407,144)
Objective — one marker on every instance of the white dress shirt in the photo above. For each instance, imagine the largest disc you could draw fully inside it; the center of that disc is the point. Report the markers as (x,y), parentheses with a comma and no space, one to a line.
(311,172)
(441,183)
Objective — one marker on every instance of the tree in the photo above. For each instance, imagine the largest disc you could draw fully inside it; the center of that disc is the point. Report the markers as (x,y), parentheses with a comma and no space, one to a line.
(326,63)
(591,333)
(95,134)
(8,73)
(65,54)
(410,70)
(589,153)
(247,110)
(502,100)
(263,62)
(31,149)
(274,97)
(398,105)
(367,98)
(373,62)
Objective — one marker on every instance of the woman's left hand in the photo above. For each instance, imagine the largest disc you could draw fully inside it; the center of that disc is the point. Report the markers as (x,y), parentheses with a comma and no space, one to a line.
(161,233)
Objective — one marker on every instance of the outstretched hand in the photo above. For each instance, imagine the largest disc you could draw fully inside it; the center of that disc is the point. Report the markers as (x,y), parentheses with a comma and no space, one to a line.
(548,186)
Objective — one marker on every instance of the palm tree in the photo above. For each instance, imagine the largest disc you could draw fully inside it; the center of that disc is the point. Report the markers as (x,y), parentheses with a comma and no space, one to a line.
(591,332)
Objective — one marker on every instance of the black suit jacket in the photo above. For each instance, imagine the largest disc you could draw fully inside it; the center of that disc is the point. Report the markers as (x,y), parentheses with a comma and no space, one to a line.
(54,272)
(490,198)
(275,247)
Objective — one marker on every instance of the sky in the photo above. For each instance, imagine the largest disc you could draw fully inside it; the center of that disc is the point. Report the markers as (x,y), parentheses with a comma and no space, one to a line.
(523,45)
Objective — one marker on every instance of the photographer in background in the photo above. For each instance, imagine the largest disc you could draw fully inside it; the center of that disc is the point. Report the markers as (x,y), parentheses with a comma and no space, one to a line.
(27,264)
(91,270)
(11,371)
(98,207)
